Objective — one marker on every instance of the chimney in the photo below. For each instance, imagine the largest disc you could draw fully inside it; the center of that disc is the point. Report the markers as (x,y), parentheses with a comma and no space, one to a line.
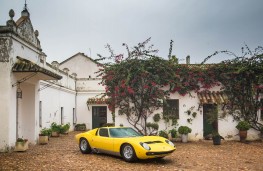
(66,70)
(42,58)
(55,64)
(188,59)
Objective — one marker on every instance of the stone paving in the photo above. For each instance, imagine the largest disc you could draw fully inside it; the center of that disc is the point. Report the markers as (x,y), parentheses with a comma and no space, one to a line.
(62,153)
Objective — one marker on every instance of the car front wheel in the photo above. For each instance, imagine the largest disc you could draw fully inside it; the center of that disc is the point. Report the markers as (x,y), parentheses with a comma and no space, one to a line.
(84,146)
(128,153)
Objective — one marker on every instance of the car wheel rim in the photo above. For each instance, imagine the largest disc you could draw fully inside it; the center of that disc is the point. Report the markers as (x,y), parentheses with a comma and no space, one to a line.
(127,152)
(83,145)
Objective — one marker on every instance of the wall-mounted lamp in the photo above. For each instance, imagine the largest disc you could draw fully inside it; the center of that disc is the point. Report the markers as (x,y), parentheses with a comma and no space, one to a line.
(18,92)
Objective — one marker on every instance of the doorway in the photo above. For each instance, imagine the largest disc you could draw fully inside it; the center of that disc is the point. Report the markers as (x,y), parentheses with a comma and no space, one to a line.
(210,119)
(99,116)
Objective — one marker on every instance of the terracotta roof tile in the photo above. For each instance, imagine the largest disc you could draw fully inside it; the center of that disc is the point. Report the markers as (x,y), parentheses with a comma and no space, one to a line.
(214,97)
(24,65)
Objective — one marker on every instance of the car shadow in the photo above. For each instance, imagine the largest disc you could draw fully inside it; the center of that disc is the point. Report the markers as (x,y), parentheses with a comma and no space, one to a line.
(156,161)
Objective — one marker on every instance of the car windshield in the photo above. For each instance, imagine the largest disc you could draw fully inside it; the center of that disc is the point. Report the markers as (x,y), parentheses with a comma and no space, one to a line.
(123,132)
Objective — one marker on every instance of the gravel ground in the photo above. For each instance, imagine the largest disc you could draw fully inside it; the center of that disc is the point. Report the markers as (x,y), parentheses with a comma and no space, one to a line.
(62,153)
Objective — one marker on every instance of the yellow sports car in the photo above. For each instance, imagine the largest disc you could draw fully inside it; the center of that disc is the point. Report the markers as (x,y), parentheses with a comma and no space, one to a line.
(124,142)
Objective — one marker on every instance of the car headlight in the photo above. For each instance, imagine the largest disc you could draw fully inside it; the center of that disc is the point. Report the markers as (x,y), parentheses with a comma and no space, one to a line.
(145,146)
(169,142)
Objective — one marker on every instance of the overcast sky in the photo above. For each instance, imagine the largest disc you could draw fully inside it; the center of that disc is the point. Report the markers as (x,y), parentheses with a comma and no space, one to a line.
(197,27)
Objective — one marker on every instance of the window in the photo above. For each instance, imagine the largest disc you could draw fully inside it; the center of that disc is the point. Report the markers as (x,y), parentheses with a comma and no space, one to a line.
(62,115)
(171,108)
(104,132)
(40,113)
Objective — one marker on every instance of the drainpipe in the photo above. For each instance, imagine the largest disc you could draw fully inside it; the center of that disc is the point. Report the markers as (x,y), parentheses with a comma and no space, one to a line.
(75,117)
(16,117)
(18,95)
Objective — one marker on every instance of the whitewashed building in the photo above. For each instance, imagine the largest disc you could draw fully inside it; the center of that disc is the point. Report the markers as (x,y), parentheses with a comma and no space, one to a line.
(34,93)
(199,105)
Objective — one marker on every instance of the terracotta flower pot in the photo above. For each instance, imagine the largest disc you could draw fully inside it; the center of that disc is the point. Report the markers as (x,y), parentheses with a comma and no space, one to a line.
(21,146)
(43,139)
(54,134)
(243,135)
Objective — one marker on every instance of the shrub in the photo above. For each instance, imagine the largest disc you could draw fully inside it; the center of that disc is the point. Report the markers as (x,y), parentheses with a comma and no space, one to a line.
(64,128)
(108,124)
(55,127)
(184,130)
(243,126)
(156,117)
(154,126)
(173,133)
(45,132)
(80,127)
(21,140)
(163,133)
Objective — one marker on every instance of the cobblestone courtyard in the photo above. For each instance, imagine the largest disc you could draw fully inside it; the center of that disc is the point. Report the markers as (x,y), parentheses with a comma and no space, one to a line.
(63,154)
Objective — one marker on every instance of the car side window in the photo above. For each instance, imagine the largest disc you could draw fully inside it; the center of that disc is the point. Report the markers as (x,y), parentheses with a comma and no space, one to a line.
(104,132)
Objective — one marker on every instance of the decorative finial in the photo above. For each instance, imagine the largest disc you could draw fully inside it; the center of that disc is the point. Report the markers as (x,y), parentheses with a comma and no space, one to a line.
(36,33)
(25,5)
(25,11)
(11,13)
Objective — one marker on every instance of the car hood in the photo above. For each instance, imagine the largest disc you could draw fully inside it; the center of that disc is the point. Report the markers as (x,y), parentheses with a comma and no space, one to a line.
(155,142)
(148,139)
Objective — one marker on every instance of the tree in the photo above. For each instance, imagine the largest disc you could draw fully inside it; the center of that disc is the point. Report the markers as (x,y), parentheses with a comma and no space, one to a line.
(138,84)
(134,84)
(242,81)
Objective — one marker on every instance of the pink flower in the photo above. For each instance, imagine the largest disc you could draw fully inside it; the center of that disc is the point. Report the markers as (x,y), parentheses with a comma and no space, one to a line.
(130,90)
(146,86)
(154,84)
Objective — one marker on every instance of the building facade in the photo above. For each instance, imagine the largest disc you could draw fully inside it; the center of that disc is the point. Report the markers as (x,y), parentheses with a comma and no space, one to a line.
(34,93)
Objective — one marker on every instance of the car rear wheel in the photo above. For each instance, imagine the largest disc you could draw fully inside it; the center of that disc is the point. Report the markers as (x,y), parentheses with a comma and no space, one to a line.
(128,153)
(84,146)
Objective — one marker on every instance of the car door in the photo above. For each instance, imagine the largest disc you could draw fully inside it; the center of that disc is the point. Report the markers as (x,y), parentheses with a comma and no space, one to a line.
(102,141)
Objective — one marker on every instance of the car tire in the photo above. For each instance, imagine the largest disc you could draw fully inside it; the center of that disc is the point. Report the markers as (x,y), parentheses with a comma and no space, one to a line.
(128,153)
(84,146)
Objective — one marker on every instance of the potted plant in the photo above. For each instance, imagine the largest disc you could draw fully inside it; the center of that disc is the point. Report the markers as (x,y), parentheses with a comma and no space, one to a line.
(184,131)
(64,129)
(80,127)
(173,134)
(108,124)
(163,133)
(243,126)
(44,136)
(216,138)
(55,129)
(21,144)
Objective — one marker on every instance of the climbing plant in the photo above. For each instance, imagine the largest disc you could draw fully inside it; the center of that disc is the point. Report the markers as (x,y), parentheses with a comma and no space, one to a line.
(138,82)
(242,81)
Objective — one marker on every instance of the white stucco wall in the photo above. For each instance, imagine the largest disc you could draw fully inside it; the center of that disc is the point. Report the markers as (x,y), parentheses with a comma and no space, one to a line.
(53,98)
(91,85)
(84,111)
(5,111)
(26,112)
(81,65)
(8,103)
(226,125)
(24,50)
